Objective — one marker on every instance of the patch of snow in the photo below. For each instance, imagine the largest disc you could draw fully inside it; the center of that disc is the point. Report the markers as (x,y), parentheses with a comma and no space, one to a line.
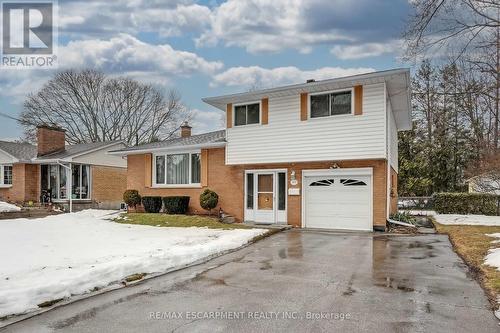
(62,255)
(453,219)
(7,207)
(493,256)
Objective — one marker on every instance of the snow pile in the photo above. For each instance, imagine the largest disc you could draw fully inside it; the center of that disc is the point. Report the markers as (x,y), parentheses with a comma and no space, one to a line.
(7,207)
(62,255)
(493,257)
(450,219)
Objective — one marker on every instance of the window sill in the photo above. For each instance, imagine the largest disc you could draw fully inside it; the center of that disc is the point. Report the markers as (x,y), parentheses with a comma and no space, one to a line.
(177,186)
(5,186)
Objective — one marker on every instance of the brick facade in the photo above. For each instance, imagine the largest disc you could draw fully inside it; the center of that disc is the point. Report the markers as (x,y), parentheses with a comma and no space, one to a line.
(25,184)
(228,182)
(108,185)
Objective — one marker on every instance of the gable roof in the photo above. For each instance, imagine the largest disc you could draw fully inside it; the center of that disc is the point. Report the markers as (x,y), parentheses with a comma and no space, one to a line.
(26,152)
(76,150)
(205,140)
(397,84)
(21,151)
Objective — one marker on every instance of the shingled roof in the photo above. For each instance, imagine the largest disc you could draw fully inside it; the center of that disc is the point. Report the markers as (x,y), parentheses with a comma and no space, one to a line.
(216,137)
(19,150)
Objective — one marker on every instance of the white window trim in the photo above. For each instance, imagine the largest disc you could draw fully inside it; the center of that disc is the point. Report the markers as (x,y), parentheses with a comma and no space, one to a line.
(189,185)
(2,185)
(351,90)
(247,103)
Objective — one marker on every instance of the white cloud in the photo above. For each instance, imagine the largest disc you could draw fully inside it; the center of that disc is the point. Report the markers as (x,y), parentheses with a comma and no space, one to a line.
(122,55)
(173,22)
(125,53)
(348,52)
(265,26)
(259,77)
(206,121)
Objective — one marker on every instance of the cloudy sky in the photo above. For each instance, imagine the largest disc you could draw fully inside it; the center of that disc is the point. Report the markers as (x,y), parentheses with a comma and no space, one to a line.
(207,48)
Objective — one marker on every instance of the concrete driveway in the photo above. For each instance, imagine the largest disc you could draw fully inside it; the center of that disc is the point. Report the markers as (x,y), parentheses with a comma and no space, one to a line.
(296,281)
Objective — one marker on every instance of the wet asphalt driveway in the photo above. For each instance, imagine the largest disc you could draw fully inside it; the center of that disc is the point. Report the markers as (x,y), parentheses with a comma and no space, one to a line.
(296,281)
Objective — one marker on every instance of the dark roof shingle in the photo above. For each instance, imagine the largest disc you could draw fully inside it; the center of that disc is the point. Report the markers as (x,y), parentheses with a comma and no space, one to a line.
(199,139)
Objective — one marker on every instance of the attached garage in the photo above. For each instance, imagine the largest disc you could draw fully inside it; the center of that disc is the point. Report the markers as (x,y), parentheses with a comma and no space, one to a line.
(338,199)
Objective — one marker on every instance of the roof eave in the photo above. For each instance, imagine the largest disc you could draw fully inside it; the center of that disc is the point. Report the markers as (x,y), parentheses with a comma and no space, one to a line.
(166,149)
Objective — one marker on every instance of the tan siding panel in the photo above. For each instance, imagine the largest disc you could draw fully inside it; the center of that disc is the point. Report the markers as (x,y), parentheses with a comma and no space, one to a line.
(265,111)
(358,100)
(303,106)
(229,115)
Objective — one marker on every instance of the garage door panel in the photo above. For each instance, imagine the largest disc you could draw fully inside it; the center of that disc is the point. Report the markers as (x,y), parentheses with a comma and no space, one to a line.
(338,202)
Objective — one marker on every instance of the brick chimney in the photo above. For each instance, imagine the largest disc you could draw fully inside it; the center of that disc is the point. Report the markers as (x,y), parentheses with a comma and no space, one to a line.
(185,130)
(50,139)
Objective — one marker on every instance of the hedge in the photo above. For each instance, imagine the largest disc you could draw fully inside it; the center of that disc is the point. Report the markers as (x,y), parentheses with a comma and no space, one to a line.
(176,205)
(466,203)
(151,204)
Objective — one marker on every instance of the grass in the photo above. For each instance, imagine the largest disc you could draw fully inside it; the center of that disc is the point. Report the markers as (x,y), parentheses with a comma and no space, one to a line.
(472,244)
(184,221)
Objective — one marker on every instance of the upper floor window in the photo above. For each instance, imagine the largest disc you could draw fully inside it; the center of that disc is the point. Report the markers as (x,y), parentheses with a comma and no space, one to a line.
(247,114)
(331,104)
(177,169)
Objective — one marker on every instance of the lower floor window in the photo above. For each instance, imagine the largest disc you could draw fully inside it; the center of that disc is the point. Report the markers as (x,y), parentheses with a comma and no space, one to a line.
(55,179)
(6,172)
(177,169)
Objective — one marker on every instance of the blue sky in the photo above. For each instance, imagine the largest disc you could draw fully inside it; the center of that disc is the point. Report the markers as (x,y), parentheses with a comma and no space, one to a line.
(208,48)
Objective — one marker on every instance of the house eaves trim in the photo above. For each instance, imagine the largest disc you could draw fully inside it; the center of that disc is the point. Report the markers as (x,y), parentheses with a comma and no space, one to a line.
(167,149)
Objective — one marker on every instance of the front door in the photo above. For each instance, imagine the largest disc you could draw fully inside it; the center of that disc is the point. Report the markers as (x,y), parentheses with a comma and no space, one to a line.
(265,197)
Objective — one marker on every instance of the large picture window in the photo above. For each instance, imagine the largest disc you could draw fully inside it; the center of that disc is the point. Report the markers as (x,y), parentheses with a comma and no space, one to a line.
(6,175)
(331,104)
(177,169)
(55,179)
(247,114)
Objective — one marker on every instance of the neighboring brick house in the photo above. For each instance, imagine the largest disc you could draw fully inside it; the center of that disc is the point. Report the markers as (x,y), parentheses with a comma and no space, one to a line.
(318,155)
(96,178)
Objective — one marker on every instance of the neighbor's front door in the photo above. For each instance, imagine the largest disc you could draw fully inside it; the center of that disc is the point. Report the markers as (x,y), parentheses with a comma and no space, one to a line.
(265,197)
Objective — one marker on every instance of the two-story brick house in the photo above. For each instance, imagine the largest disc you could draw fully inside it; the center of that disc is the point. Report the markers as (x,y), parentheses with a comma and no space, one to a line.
(318,155)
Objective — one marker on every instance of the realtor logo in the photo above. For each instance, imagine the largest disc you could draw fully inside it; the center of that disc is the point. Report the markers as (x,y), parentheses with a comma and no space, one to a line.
(28,34)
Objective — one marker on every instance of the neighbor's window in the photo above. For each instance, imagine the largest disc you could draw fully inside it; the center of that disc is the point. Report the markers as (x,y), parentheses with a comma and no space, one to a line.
(331,104)
(6,171)
(247,114)
(177,169)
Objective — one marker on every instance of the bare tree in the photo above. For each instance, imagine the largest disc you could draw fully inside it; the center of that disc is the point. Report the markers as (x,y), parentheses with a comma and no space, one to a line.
(465,30)
(93,108)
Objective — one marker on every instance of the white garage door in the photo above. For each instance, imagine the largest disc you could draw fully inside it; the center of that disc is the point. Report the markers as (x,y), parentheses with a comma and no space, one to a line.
(338,202)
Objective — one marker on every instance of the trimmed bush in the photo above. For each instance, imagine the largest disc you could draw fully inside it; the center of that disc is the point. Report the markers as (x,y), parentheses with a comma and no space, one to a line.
(132,198)
(151,204)
(466,203)
(209,200)
(176,205)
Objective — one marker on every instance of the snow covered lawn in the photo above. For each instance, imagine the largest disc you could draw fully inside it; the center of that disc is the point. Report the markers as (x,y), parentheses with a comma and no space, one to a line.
(452,219)
(493,257)
(7,207)
(69,254)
